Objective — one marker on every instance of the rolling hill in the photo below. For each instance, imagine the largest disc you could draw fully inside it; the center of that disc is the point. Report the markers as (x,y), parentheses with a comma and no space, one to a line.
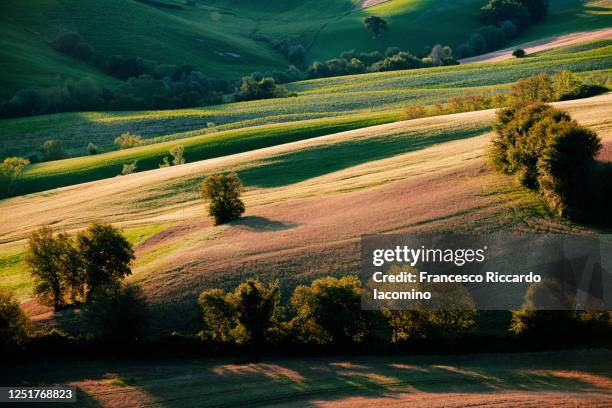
(322,107)
(308,202)
(230,38)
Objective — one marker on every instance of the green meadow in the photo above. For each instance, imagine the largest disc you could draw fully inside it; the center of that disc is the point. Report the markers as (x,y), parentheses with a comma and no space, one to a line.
(322,107)
(219,37)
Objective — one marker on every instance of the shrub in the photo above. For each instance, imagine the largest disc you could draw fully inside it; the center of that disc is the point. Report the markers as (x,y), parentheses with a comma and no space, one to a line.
(245,315)
(115,313)
(563,167)
(11,169)
(177,153)
(14,323)
(567,86)
(52,150)
(518,53)
(55,267)
(266,88)
(537,88)
(415,111)
(255,308)
(218,314)
(92,149)
(533,323)
(129,168)
(549,152)
(128,140)
(520,139)
(223,194)
(329,311)
(106,255)
(68,42)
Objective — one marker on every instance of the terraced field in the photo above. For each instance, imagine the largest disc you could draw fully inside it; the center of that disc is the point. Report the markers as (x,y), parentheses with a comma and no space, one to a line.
(323,106)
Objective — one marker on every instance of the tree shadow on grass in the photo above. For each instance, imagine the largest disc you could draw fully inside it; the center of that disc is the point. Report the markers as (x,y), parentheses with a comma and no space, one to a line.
(317,161)
(310,381)
(262,224)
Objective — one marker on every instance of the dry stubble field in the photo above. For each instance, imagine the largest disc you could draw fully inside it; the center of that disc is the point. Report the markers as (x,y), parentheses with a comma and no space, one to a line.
(302,219)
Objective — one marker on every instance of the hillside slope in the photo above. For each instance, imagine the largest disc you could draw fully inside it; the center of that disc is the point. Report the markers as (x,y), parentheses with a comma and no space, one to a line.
(231,38)
(307,202)
(322,107)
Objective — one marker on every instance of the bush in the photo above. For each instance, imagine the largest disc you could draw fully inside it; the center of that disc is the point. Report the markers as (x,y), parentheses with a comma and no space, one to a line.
(115,313)
(177,153)
(105,255)
(518,53)
(14,323)
(329,311)
(266,88)
(128,140)
(52,150)
(256,308)
(129,168)
(537,88)
(535,324)
(223,195)
(549,152)
(11,169)
(245,315)
(218,314)
(563,167)
(92,149)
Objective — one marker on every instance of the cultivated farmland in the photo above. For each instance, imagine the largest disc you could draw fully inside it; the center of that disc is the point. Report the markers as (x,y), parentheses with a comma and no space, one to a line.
(307,204)
(322,107)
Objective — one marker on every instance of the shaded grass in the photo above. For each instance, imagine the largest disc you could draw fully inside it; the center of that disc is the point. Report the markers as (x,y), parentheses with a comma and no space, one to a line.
(317,99)
(353,101)
(562,377)
(14,273)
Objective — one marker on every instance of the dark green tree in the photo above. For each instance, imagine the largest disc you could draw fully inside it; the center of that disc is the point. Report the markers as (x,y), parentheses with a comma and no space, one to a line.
(116,313)
(223,195)
(106,255)
(55,267)
(14,323)
(375,24)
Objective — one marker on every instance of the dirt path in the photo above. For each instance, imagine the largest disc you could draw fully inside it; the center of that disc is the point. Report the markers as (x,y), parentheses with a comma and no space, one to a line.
(369,3)
(542,45)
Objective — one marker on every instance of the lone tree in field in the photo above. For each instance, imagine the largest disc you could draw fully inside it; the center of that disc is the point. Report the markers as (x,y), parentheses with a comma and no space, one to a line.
(375,24)
(223,194)
(10,170)
(518,53)
(106,255)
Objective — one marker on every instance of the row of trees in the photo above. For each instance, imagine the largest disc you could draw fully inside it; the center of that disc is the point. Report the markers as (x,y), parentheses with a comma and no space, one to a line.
(503,20)
(326,312)
(351,62)
(66,269)
(544,87)
(146,85)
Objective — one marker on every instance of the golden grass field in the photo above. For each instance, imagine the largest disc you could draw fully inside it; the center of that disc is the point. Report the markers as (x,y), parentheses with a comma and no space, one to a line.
(561,379)
(310,223)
